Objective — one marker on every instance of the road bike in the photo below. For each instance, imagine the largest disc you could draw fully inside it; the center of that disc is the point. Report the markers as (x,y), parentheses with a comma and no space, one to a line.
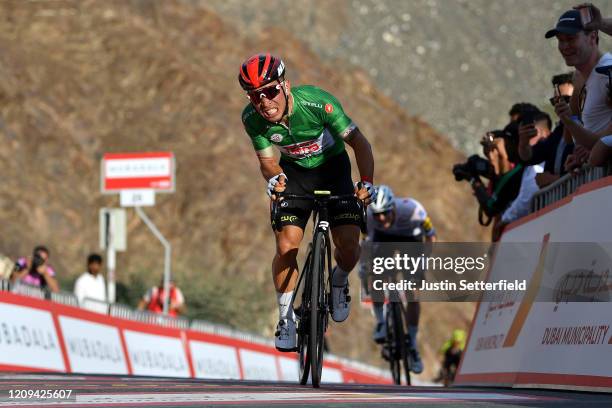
(314,280)
(396,347)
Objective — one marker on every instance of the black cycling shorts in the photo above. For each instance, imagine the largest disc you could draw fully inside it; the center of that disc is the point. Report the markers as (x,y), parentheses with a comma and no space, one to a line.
(333,175)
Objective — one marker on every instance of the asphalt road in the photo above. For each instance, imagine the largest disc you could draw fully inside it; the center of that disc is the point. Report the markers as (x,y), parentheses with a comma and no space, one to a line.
(123,391)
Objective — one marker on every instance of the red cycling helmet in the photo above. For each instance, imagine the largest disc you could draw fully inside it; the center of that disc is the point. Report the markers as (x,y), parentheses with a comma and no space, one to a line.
(259,70)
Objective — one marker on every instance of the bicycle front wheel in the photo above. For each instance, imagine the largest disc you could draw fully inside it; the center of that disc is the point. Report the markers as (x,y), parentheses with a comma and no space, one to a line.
(318,311)
(304,325)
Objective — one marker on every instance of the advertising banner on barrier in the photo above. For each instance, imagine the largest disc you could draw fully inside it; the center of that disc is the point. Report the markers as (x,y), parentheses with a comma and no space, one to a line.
(214,360)
(40,335)
(568,340)
(28,338)
(258,366)
(93,347)
(289,368)
(331,375)
(156,355)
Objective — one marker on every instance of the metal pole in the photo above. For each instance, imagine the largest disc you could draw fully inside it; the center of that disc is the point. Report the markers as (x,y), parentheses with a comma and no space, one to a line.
(167,252)
(110,260)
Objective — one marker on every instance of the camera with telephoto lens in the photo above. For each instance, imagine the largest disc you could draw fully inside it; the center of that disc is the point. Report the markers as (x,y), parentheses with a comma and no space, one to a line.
(474,166)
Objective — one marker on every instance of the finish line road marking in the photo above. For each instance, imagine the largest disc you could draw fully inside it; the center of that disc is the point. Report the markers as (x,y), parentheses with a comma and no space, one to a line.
(272,397)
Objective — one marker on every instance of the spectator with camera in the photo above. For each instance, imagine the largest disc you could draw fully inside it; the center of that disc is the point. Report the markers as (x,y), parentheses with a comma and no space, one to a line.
(578,43)
(520,205)
(501,167)
(552,150)
(36,271)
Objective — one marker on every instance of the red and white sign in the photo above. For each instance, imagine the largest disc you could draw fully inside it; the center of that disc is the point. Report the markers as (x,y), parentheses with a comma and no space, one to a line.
(134,171)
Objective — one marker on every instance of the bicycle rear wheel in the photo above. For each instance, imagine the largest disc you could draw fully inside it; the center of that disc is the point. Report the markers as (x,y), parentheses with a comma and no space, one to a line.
(392,343)
(318,311)
(406,357)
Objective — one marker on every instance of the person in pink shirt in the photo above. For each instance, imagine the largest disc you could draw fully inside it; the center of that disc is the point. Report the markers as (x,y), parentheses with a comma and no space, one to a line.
(36,271)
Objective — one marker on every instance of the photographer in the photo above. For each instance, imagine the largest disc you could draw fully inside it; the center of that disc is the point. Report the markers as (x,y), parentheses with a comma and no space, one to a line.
(501,149)
(36,271)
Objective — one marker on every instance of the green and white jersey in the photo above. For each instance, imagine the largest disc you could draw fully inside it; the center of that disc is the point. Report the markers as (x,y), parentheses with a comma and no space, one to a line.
(317,128)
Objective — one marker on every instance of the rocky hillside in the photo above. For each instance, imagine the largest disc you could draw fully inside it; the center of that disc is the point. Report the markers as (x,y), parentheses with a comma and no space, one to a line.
(81,78)
(459,64)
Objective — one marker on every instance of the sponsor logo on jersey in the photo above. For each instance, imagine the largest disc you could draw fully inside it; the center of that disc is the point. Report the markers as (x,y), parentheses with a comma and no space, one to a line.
(305,148)
(312,104)
(329,108)
(277,138)
(309,148)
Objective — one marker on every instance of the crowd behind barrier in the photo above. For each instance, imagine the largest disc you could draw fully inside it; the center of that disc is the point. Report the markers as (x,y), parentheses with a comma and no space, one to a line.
(525,164)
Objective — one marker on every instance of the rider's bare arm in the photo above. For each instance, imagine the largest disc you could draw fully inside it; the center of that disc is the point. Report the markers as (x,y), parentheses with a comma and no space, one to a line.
(267,163)
(363,154)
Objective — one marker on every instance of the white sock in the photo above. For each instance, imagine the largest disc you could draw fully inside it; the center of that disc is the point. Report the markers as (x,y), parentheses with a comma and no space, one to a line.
(379,312)
(340,277)
(285,311)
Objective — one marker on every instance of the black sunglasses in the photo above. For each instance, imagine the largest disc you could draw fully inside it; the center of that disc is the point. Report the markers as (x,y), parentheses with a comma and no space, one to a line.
(385,214)
(269,92)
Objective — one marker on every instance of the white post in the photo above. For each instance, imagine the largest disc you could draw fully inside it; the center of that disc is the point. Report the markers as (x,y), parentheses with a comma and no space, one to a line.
(110,274)
(110,259)
(167,251)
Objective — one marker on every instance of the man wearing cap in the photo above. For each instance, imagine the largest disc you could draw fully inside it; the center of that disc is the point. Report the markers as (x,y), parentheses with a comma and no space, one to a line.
(579,48)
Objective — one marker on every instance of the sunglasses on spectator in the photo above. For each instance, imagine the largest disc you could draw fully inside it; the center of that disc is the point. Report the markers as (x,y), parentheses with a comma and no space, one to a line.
(269,92)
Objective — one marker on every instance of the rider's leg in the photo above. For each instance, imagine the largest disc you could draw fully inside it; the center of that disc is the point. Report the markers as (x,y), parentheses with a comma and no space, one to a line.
(285,268)
(284,274)
(346,254)
(413,312)
(380,329)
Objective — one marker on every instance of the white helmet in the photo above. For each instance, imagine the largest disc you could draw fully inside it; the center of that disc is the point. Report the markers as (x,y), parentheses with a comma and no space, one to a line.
(384,200)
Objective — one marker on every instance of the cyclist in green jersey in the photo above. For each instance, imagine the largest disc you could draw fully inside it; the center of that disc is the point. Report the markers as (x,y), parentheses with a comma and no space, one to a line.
(310,128)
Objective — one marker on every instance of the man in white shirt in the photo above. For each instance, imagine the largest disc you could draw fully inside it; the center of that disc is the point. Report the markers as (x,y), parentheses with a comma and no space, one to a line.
(579,48)
(90,288)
